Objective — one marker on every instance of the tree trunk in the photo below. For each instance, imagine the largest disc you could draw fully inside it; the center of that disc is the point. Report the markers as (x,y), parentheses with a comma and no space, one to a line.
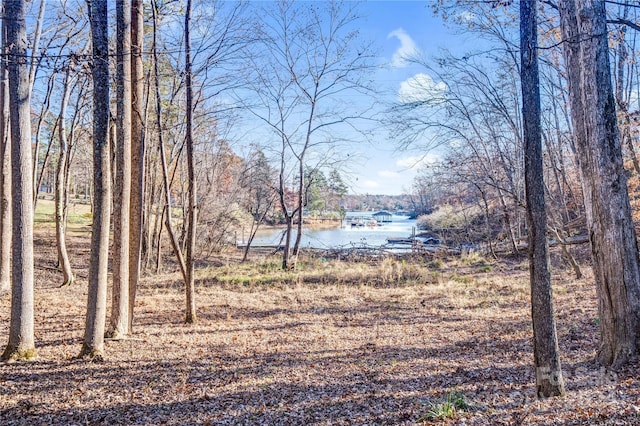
(33,67)
(44,112)
(507,219)
(546,354)
(190,316)
(165,171)
(136,225)
(611,233)
(37,34)
(286,252)
(61,185)
(5,173)
(120,307)
(93,344)
(621,102)
(300,208)
(21,329)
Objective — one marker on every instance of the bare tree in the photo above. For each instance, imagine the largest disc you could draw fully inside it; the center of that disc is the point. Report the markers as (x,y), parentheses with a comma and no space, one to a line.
(5,170)
(33,68)
(549,381)
(312,58)
(61,193)
(609,222)
(192,218)
(120,308)
(21,330)
(137,152)
(93,343)
(257,180)
(161,148)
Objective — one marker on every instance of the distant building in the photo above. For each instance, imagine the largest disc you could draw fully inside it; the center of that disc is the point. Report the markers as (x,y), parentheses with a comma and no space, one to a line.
(382,216)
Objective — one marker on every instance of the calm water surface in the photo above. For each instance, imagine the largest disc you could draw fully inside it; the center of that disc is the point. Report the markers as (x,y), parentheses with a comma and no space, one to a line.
(346,235)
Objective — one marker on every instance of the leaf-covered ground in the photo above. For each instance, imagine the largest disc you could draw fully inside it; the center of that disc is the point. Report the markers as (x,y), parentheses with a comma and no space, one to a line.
(318,353)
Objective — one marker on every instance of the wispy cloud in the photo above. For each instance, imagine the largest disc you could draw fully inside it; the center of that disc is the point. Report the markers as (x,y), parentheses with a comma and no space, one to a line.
(406,50)
(421,88)
(417,161)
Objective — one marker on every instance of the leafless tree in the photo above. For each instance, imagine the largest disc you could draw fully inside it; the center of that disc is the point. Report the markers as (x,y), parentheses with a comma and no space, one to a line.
(138,119)
(313,57)
(5,170)
(258,180)
(192,212)
(21,330)
(120,308)
(546,355)
(61,191)
(93,343)
(612,235)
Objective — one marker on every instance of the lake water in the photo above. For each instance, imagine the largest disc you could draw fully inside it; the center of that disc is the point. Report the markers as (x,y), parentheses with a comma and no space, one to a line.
(346,235)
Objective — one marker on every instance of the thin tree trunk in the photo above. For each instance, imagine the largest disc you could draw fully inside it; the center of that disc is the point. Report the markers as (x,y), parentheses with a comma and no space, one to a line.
(507,219)
(608,211)
(5,172)
(287,215)
(61,185)
(120,307)
(190,316)
(44,112)
(33,67)
(286,256)
(136,224)
(546,354)
(623,106)
(567,253)
(157,234)
(165,172)
(93,344)
(21,329)
(37,34)
(300,209)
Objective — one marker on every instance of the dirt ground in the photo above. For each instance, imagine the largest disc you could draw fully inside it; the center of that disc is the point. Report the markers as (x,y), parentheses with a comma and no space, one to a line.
(455,349)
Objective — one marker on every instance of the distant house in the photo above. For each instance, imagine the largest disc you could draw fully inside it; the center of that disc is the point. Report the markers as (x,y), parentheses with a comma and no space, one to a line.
(382,216)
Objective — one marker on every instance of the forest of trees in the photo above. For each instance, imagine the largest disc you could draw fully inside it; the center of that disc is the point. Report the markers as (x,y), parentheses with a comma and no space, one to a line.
(132,111)
(586,91)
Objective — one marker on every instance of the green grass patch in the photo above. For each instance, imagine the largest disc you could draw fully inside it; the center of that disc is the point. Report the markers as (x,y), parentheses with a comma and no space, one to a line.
(447,409)
(77,214)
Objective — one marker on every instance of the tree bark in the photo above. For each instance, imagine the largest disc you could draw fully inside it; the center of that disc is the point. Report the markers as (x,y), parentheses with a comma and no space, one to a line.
(44,112)
(33,67)
(120,307)
(61,185)
(21,330)
(165,171)
(609,222)
(136,225)
(546,355)
(5,172)
(93,344)
(190,316)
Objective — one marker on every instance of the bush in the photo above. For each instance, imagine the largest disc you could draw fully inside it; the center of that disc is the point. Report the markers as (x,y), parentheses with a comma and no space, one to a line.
(447,216)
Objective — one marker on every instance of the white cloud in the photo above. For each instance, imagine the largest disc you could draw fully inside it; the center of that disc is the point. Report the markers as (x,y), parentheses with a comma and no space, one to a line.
(467,17)
(421,88)
(406,50)
(418,161)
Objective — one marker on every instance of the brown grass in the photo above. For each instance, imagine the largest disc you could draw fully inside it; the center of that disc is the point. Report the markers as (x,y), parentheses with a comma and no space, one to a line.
(335,343)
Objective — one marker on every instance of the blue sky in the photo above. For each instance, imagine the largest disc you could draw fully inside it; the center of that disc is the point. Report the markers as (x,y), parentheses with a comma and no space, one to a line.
(398,28)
